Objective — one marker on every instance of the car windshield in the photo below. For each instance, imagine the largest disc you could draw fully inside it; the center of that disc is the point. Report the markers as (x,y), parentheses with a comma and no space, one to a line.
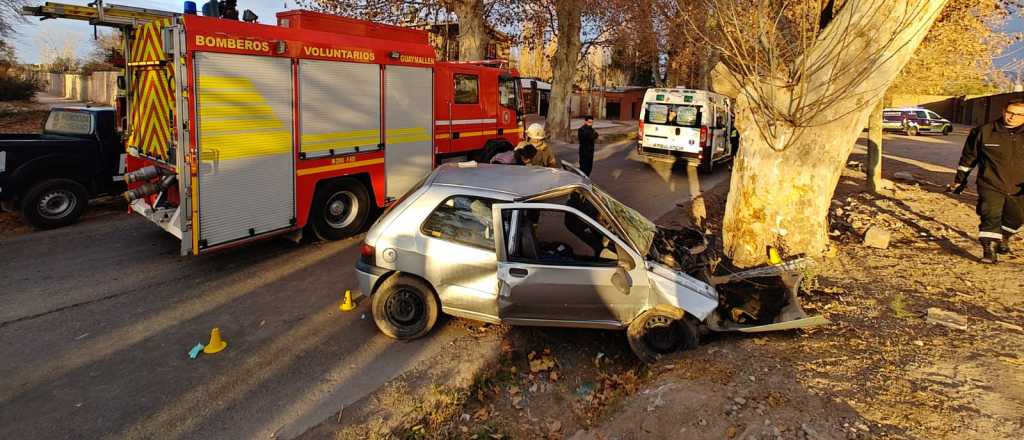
(639,229)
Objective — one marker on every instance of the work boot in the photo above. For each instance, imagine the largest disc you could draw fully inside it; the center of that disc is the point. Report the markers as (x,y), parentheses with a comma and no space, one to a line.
(989,248)
(1004,244)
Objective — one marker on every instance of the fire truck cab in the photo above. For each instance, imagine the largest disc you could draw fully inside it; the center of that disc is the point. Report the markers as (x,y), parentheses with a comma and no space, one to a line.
(239,131)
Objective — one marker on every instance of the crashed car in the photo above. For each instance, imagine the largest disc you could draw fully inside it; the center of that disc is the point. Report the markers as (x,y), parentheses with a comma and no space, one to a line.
(545,247)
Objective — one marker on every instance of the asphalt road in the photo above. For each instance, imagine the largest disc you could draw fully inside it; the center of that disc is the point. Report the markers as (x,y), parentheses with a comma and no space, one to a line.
(97,318)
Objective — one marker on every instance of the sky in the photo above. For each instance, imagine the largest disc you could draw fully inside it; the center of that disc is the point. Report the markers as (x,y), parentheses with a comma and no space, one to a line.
(34,35)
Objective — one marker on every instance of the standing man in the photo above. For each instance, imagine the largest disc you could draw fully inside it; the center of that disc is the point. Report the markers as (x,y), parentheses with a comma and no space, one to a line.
(997,149)
(586,136)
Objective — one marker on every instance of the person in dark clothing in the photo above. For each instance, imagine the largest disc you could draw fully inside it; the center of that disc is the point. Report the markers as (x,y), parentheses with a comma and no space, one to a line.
(586,136)
(997,149)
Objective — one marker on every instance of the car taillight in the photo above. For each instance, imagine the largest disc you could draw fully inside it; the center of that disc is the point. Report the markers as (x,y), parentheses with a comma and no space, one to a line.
(368,253)
(641,129)
(703,135)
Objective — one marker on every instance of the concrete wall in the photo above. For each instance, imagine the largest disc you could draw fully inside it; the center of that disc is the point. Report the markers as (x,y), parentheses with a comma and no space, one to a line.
(99,87)
(945,106)
(982,109)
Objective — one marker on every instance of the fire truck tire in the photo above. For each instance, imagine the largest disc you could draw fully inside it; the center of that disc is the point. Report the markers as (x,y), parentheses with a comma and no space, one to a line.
(340,209)
(405,307)
(660,331)
(54,203)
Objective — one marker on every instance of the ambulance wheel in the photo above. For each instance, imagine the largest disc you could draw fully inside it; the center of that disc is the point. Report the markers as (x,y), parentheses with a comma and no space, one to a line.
(340,209)
(405,307)
(54,203)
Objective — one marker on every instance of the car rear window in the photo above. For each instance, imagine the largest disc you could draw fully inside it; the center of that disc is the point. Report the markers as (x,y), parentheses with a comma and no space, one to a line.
(673,114)
(462,219)
(69,122)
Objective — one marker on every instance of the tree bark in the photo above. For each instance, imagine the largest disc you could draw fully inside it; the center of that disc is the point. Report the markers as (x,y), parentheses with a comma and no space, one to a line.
(785,175)
(563,66)
(472,29)
(874,166)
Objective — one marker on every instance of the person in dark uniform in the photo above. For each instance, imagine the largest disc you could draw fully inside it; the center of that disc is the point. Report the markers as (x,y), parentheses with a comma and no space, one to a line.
(997,149)
(586,136)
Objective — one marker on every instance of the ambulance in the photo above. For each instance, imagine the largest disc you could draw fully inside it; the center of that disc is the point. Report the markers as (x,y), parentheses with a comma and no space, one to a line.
(241,131)
(686,124)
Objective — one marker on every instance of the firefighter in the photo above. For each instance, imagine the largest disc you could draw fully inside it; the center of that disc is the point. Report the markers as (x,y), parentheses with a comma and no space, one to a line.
(522,156)
(586,136)
(997,149)
(535,136)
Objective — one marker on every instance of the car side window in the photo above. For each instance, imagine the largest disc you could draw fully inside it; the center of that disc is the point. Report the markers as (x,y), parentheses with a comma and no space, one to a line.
(932,115)
(559,238)
(921,114)
(462,219)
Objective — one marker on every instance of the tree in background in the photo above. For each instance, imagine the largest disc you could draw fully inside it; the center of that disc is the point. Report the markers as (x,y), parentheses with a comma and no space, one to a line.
(802,94)
(474,16)
(956,57)
(10,13)
(105,49)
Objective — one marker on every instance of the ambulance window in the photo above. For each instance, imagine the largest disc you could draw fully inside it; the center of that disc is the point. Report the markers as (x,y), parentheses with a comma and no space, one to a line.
(467,90)
(686,116)
(657,113)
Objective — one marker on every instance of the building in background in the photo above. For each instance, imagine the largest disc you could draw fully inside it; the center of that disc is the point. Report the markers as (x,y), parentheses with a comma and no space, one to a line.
(444,37)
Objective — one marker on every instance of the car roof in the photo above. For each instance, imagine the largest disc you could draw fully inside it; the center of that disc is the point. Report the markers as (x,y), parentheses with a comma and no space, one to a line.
(515,180)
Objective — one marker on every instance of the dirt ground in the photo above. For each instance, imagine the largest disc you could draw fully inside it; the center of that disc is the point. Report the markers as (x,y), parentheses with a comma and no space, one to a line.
(879,370)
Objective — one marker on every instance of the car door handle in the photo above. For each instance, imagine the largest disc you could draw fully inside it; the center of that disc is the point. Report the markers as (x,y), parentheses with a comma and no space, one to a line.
(518,272)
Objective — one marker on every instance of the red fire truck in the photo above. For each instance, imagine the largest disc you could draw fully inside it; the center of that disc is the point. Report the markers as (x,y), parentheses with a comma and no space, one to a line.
(240,131)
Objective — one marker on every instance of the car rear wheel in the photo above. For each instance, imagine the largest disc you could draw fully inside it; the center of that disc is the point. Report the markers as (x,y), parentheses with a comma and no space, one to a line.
(405,307)
(340,209)
(54,203)
(660,331)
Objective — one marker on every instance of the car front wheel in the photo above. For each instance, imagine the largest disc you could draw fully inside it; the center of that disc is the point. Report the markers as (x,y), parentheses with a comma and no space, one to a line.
(946,130)
(54,203)
(660,331)
(405,307)
(912,131)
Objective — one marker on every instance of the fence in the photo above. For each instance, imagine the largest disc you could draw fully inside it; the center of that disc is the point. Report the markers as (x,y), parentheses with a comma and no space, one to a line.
(99,87)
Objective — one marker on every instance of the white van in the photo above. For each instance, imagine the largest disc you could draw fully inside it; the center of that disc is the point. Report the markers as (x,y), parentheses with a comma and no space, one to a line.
(688,124)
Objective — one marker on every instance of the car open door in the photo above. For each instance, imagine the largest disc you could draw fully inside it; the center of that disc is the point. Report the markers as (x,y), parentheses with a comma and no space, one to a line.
(546,276)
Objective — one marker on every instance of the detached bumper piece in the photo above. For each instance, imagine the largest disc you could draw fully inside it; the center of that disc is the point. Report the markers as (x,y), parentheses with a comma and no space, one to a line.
(761,300)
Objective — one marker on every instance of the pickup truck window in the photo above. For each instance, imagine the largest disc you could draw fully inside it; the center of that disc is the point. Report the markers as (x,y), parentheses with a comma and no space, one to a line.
(69,122)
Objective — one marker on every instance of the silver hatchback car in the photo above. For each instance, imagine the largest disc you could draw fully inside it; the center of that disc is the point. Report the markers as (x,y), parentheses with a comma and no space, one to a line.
(544,247)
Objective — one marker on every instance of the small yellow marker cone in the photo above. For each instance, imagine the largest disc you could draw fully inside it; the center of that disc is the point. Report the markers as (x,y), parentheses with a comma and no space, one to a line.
(216,343)
(347,305)
(773,256)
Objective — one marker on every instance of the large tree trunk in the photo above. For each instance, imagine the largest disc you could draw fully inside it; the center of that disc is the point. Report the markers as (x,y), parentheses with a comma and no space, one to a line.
(874,166)
(785,174)
(563,66)
(472,29)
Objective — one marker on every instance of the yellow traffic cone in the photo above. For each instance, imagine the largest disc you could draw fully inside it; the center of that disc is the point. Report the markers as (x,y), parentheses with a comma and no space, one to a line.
(773,256)
(216,343)
(347,305)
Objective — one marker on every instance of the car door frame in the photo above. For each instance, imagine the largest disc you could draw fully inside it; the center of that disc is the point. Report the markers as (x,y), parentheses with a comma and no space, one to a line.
(621,313)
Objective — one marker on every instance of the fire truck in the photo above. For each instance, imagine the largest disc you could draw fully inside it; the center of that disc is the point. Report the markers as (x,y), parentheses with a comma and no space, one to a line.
(239,131)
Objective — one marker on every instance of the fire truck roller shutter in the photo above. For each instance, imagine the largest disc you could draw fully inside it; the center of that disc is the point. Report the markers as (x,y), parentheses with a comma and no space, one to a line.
(339,106)
(246,169)
(409,127)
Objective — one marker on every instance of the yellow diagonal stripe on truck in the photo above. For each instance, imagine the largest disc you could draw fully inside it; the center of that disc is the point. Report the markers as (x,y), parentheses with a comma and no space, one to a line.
(225,82)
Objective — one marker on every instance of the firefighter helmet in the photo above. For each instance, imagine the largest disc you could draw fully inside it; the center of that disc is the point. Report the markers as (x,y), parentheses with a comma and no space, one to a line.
(535,131)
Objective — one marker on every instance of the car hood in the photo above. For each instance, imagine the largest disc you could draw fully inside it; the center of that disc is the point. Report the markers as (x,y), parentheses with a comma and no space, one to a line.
(678,289)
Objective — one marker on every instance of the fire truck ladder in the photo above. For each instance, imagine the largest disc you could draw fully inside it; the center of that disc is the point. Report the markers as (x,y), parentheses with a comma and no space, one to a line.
(97,13)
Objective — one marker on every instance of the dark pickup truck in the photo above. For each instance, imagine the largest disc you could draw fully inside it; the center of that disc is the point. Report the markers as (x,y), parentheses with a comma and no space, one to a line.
(50,177)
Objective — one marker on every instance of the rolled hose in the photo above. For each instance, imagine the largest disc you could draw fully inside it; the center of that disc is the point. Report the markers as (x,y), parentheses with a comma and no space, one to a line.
(143,174)
(149,188)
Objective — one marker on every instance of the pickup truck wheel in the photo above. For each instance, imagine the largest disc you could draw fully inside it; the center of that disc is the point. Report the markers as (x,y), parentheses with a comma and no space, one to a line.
(660,331)
(405,307)
(54,203)
(340,209)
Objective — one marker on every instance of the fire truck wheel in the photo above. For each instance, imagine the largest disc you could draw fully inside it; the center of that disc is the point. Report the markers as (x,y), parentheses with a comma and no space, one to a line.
(405,307)
(54,203)
(340,209)
(660,331)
